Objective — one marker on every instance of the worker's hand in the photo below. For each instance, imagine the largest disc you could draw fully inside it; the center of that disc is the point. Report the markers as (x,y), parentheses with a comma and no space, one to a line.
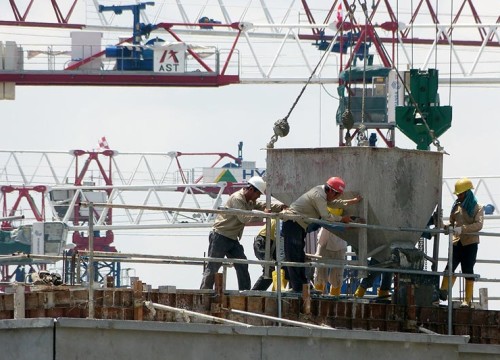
(457,230)
(357,199)
(346,219)
(358,220)
(446,229)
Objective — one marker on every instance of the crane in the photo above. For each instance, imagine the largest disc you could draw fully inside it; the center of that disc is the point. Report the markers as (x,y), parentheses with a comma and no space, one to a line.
(239,54)
(240,38)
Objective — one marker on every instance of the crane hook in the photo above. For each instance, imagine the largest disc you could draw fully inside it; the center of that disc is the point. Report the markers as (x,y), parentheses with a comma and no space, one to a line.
(281,129)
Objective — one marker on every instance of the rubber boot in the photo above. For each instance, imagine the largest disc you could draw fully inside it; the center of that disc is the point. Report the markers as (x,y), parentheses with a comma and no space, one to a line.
(334,291)
(275,281)
(469,290)
(383,293)
(360,292)
(283,280)
(320,287)
(443,290)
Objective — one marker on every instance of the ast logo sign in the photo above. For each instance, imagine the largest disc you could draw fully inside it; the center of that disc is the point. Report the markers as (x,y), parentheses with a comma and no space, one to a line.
(170,58)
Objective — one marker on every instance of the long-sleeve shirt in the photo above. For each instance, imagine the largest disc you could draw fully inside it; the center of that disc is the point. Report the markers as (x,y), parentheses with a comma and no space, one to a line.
(313,204)
(232,226)
(459,217)
(330,241)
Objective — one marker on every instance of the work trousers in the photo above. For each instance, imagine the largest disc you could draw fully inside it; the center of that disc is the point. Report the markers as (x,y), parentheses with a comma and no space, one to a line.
(334,275)
(294,236)
(464,255)
(368,281)
(259,248)
(220,247)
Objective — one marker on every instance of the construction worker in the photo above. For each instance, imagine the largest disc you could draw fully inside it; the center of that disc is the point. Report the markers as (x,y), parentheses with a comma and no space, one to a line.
(312,204)
(466,217)
(259,248)
(330,246)
(224,239)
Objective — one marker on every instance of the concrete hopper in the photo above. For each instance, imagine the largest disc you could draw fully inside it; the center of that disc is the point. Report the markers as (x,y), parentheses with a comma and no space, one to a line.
(400,188)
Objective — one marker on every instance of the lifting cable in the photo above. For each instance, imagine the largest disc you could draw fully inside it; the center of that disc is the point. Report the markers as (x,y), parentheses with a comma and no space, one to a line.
(281,127)
(362,138)
(451,50)
(347,117)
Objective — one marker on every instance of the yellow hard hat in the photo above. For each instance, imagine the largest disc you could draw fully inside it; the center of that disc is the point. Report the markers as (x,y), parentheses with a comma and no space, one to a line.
(462,185)
(335,211)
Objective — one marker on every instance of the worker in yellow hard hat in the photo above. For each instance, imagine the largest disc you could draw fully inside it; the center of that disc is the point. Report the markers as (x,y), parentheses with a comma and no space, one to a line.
(330,246)
(259,248)
(466,217)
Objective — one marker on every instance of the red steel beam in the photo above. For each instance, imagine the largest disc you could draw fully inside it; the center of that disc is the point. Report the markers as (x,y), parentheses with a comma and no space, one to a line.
(41,24)
(123,79)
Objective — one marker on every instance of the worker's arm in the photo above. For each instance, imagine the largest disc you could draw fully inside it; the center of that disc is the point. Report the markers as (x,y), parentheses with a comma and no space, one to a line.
(275,206)
(241,204)
(354,200)
(346,202)
(321,207)
(477,223)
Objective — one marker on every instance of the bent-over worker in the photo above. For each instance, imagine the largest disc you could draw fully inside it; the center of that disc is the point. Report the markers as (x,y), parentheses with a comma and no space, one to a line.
(312,204)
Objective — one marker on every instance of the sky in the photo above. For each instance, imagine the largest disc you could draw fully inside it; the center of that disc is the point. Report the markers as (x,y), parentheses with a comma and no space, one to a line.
(215,120)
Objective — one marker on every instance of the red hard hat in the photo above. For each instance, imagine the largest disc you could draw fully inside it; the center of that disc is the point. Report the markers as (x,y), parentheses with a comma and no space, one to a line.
(336,183)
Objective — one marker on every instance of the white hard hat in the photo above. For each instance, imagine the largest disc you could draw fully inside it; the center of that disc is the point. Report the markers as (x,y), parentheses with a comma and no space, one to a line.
(258,183)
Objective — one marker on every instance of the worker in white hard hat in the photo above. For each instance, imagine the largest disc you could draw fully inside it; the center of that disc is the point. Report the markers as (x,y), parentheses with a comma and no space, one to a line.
(312,204)
(466,217)
(224,239)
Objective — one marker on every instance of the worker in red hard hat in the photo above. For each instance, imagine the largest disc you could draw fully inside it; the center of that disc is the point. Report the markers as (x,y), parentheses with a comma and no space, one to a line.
(312,204)
(336,184)
(227,231)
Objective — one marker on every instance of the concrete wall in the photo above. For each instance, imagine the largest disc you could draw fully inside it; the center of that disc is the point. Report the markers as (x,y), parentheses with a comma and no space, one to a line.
(401,188)
(67,339)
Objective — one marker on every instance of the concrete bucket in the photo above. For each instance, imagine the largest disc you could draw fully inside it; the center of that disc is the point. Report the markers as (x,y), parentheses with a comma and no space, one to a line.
(400,189)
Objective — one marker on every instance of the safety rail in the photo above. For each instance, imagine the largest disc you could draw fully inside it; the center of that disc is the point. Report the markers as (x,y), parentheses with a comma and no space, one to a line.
(58,58)
(92,256)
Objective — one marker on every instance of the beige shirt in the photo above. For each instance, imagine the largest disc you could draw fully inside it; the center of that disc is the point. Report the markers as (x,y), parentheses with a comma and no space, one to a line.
(313,204)
(459,217)
(330,241)
(232,226)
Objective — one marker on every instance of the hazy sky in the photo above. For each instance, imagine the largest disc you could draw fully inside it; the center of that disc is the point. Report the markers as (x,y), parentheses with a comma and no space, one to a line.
(216,119)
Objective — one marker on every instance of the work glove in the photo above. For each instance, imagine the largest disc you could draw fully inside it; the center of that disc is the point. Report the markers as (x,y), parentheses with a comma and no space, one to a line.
(358,219)
(457,230)
(346,219)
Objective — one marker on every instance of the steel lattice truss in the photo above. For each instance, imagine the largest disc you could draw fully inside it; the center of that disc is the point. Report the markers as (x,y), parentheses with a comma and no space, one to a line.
(149,179)
(270,42)
(152,179)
